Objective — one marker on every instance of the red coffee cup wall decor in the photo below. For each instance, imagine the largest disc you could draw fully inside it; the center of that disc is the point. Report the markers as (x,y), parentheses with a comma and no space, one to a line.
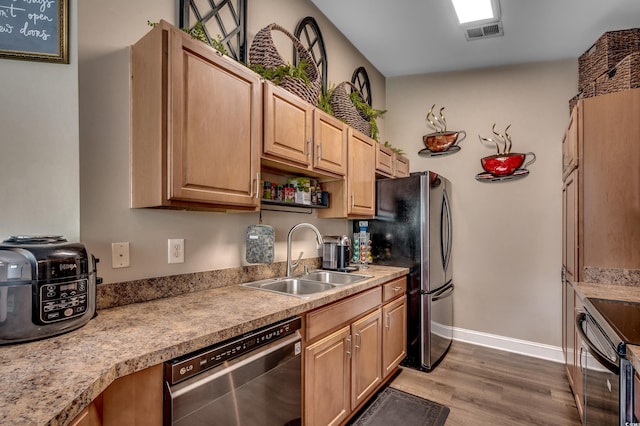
(505,164)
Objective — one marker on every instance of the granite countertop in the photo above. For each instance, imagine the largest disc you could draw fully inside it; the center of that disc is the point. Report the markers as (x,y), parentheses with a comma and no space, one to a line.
(614,292)
(48,382)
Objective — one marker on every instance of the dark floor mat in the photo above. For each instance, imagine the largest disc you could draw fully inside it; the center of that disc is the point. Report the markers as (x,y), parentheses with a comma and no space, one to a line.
(393,407)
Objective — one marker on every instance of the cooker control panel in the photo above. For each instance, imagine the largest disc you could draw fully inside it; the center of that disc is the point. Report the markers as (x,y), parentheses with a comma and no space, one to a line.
(61,301)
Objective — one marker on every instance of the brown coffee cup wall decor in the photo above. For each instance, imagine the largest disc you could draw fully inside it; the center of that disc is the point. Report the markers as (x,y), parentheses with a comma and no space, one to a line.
(441,141)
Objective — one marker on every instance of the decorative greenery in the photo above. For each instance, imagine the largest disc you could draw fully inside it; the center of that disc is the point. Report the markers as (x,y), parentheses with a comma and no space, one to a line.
(368,113)
(392,148)
(323,100)
(277,74)
(198,32)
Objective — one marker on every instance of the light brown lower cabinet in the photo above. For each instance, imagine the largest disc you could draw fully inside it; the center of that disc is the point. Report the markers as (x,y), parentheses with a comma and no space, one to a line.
(91,415)
(351,349)
(135,399)
(366,355)
(394,336)
(342,370)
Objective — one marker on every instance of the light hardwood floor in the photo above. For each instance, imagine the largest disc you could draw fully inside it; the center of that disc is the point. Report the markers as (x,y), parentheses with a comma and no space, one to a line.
(484,386)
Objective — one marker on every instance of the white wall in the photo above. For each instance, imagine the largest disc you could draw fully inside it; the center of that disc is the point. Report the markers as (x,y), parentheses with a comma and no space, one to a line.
(212,240)
(507,236)
(39,189)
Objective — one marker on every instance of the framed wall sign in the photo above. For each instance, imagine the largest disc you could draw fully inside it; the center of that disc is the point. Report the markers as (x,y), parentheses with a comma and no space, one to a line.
(34,30)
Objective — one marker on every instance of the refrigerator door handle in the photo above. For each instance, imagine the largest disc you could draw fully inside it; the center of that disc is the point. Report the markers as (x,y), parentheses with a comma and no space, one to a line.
(443,293)
(445,245)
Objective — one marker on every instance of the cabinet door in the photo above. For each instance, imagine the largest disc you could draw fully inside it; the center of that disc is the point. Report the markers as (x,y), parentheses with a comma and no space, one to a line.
(329,143)
(384,160)
(610,181)
(90,416)
(134,399)
(401,166)
(361,175)
(327,377)
(579,360)
(568,330)
(288,124)
(215,126)
(570,142)
(570,222)
(367,357)
(196,125)
(394,334)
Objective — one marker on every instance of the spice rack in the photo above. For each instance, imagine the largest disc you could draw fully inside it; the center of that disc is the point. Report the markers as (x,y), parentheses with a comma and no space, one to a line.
(279,192)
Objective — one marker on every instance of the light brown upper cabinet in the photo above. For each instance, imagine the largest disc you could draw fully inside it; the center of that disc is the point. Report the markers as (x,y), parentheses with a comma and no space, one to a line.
(389,163)
(196,125)
(298,135)
(570,143)
(601,170)
(354,198)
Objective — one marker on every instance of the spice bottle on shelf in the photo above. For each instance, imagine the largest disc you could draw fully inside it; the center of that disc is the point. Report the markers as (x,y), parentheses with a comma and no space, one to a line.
(319,194)
(288,193)
(266,190)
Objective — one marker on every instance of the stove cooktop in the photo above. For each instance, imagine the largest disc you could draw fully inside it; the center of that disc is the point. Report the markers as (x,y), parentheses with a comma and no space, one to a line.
(623,317)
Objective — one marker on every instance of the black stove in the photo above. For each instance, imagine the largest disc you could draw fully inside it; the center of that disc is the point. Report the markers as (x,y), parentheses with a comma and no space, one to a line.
(622,317)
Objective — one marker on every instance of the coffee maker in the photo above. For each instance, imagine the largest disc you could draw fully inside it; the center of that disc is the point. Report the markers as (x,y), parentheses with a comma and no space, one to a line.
(336,253)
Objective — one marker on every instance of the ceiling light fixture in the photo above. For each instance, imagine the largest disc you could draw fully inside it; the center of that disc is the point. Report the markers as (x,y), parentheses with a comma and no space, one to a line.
(476,11)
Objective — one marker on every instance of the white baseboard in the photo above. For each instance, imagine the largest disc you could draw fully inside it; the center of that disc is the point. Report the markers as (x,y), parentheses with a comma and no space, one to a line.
(524,347)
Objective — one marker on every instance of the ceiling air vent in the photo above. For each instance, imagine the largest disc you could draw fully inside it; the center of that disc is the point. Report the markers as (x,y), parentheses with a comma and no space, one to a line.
(484,31)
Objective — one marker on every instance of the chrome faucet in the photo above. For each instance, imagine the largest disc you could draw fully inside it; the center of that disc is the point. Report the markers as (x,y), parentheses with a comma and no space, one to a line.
(292,266)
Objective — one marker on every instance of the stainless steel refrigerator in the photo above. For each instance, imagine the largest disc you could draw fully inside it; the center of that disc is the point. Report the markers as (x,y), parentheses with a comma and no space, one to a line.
(413,229)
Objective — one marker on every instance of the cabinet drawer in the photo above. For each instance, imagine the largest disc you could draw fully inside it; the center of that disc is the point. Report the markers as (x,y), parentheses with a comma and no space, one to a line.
(330,317)
(393,289)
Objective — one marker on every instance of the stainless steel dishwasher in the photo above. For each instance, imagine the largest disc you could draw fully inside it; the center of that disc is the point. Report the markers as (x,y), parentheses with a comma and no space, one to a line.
(254,379)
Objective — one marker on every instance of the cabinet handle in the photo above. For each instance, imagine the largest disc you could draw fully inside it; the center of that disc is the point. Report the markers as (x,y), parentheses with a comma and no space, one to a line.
(258,185)
(357,340)
(387,320)
(353,200)
(309,148)
(349,346)
(397,289)
(320,151)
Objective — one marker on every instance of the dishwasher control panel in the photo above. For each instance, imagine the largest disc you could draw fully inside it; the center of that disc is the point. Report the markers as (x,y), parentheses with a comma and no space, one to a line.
(189,365)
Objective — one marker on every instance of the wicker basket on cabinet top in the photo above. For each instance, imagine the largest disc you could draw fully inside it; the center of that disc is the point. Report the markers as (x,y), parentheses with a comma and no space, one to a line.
(605,53)
(344,109)
(264,52)
(624,76)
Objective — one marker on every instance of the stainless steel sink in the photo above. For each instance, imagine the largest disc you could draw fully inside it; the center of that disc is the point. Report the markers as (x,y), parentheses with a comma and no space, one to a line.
(334,277)
(298,287)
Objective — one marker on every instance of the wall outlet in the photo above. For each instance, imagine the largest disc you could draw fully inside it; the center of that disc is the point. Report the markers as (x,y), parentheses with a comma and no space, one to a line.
(176,250)
(120,255)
